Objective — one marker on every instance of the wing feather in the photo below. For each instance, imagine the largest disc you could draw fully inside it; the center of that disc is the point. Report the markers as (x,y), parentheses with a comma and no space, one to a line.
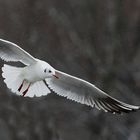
(86,93)
(12,52)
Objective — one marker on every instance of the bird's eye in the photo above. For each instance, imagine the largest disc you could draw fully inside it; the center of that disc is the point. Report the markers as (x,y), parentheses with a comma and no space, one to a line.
(49,71)
(45,70)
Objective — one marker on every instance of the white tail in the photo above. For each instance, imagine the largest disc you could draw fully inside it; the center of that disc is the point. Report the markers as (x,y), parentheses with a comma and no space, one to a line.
(12,77)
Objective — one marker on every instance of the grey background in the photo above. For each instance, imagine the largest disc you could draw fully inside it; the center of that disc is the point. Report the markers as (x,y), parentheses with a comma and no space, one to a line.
(96,40)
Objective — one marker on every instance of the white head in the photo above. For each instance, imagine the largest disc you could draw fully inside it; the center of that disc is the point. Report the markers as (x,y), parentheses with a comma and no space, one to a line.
(47,71)
(50,72)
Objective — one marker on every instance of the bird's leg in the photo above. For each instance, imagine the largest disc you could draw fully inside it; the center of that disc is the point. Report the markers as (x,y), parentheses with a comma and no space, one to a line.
(24,93)
(19,89)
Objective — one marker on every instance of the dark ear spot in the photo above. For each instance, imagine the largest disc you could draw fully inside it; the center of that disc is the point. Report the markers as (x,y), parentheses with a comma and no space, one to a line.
(45,70)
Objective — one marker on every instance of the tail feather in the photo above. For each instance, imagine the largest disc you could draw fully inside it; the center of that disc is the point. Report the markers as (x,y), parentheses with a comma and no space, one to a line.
(12,77)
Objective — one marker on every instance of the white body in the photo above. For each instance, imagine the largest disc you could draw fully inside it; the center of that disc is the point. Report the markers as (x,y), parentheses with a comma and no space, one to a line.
(33,73)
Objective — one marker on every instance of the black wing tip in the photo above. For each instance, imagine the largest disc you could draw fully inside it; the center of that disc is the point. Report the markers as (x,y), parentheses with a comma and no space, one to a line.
(120,112)
(116,107)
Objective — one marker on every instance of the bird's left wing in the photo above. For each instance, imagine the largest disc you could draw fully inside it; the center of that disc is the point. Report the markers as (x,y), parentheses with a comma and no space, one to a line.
(12,52)
(84,92)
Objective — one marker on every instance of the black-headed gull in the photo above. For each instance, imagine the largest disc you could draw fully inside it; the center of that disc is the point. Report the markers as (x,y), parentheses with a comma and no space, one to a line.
(38,78)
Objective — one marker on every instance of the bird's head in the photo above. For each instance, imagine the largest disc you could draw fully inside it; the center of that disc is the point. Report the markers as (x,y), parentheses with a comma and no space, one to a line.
(48,71)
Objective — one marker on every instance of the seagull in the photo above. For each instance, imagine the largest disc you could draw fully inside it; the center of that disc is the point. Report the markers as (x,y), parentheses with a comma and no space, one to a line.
(38,78)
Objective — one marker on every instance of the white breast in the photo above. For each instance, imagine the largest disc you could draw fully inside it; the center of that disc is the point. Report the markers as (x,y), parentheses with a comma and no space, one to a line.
(32,73)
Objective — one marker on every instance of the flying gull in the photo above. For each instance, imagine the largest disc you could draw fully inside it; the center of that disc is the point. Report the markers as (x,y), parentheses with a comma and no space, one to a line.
(38,78)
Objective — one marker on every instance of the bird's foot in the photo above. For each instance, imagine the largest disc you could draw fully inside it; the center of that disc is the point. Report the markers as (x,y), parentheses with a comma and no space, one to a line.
(24,92)
(19,89)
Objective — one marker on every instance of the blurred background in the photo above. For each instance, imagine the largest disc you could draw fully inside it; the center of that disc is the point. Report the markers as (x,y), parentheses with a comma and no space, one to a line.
(95,40)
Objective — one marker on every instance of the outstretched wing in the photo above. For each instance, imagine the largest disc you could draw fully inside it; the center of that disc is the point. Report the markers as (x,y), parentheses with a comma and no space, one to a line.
(12,52)
(84,92)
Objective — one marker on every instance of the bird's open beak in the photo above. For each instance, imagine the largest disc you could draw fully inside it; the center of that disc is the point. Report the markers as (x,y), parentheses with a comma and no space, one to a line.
(55,75)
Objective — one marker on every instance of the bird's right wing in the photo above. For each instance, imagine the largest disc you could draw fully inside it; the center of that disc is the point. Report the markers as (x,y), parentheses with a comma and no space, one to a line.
(84,92)
(12,52)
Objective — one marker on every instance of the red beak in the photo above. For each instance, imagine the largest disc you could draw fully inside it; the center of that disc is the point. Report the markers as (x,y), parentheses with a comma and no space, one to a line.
(55,75)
